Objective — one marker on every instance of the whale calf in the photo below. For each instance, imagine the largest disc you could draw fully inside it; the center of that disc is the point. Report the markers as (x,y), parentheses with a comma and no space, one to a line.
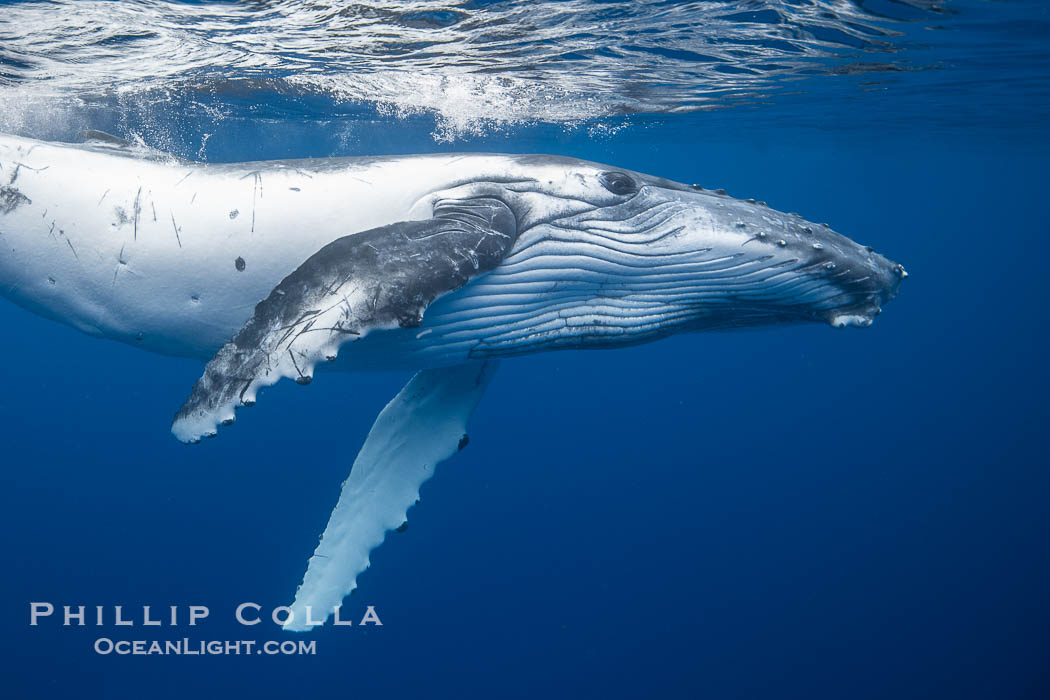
(444,264)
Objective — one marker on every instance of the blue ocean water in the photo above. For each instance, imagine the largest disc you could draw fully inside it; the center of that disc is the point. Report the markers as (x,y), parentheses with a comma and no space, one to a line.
(789,512)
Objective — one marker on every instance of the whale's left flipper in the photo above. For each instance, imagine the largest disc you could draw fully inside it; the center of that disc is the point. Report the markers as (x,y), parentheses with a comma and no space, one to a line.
(379,279)
(421,427)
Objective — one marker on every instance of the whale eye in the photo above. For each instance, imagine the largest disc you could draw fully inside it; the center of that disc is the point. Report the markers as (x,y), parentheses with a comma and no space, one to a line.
(618,183)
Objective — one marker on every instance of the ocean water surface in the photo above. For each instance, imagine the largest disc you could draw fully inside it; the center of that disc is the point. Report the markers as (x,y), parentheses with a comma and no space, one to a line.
(796,512)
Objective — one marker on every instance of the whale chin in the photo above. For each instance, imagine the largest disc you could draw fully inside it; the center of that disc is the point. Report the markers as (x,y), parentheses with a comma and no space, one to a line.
(841,320)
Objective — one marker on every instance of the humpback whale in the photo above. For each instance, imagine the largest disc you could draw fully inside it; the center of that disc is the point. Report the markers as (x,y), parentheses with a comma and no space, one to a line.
(443,264)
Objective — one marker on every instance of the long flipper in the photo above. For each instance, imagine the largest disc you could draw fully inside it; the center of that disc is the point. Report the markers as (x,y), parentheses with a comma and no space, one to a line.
(422,426)
(374,280)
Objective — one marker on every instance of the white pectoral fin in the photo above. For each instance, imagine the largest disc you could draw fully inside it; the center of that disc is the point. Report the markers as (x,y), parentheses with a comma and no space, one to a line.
(421,427)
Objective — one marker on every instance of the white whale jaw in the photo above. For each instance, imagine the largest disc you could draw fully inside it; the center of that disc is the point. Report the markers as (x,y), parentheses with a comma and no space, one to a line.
(842,320)
(888,278)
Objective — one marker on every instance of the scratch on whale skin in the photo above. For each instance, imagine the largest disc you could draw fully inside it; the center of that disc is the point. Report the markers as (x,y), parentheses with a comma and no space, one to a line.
(176,228)
(257,192)
(121,262)
(137,210)
(19,166)
(70,244)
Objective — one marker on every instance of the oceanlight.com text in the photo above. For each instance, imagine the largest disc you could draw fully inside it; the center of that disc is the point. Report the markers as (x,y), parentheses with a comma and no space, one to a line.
(187,647)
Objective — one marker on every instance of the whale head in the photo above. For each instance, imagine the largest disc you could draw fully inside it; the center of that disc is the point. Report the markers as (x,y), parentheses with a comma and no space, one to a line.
(606,256)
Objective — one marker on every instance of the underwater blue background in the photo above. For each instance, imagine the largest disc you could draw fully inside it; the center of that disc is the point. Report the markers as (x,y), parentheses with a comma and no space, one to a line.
(795,512)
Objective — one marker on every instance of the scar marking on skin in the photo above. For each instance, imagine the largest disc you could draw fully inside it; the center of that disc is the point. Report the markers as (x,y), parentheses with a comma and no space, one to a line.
(176,228)
(11,199)
(120,262)
(101,198)
(154,207)
(257,192)
(70,244)
(137,210)
(19,166)
(295,364)
(184,178)
(194,198)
